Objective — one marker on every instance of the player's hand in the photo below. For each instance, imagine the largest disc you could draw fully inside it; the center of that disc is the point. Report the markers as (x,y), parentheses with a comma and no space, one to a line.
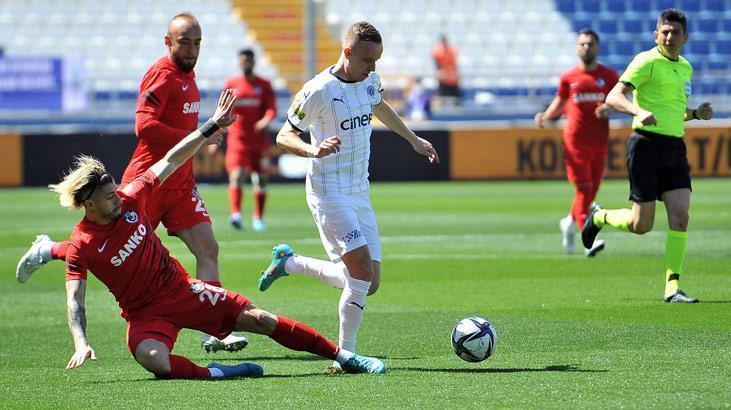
(329,146)
(602,111)
(212,148)
(216,139)
(261,125)
(704,111)
(539,119)
(80,356)
(223,117)
(646,117)
(425,148)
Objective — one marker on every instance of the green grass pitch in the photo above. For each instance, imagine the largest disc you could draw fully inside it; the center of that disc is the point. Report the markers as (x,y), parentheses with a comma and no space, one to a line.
(573,332)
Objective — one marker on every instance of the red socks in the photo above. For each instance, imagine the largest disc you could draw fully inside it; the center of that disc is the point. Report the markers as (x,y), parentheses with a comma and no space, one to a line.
(583,195)
(58,250)
(260,198)
(234,197)
(182,368)
(298,336)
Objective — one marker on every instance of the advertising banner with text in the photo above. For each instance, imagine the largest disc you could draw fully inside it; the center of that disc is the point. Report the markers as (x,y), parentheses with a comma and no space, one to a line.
(526,153)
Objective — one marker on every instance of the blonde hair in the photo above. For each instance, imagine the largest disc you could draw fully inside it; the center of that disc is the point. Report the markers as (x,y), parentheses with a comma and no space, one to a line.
(361,31)
(79,183)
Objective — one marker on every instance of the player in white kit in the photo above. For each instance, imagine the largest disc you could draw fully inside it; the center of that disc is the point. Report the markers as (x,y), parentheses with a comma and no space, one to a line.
(337,107)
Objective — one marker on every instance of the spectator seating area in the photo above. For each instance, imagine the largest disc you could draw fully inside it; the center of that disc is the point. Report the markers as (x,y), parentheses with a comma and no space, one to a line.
(510,52)
(119,39)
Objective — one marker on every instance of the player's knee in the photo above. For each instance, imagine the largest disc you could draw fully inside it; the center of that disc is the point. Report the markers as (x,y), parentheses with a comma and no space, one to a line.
(643,227)
(679,221)
(153,360)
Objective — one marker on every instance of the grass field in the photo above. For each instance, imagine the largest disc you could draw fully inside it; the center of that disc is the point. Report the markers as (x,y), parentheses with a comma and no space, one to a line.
(572,332)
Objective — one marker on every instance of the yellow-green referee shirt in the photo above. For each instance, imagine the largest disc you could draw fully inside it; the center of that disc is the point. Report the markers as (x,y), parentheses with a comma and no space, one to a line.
(661,86)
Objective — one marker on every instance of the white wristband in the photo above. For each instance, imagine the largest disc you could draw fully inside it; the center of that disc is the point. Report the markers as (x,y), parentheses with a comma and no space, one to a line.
(312,151)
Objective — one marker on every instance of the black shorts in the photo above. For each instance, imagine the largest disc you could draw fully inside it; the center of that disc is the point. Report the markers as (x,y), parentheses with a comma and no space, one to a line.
(656,164)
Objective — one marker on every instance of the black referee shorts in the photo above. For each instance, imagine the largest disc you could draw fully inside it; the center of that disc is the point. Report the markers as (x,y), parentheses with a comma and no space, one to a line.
(656,164)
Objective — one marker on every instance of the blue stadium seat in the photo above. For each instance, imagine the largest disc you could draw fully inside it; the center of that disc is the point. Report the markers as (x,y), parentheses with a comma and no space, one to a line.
(661,5)
(578,24)
(705,25)
(715,6)
(723,47)
(700,48)
(590,6)
(639,6)
(690,6)
(607,27)
(726,26)
(715,66)
(625,48)
(614,6)
(566,6)
(633,26)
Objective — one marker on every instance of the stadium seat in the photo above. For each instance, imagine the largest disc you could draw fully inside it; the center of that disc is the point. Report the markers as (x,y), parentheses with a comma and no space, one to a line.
(716,6)
(614,6)
(566,6)
(661,5)
(639,6)
(723,47)
(607,28)
(690,6)
(590,6)
(633,26)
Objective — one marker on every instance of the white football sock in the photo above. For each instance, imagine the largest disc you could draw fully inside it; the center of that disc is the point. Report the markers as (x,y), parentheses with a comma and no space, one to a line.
(352,304)
(334,274)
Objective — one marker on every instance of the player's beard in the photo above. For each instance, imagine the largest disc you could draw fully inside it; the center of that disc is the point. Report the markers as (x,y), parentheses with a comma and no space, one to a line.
(187,67)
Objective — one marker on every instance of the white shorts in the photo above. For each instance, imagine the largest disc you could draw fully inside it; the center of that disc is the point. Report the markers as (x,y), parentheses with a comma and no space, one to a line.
(345,222)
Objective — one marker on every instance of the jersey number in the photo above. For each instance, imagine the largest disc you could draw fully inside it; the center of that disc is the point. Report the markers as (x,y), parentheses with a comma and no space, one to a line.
(213,294)
(199,206)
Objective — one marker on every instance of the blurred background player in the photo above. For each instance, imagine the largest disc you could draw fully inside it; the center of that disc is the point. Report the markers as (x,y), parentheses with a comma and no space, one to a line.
(247,143)
(167,111)
(581,94)
(336,107)
(444,55)
(657,161)
(116,241)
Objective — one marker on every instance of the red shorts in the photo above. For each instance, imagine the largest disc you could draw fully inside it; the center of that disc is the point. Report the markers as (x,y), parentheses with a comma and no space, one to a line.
(197,306)
(584,166)
(251,160)
(176,208)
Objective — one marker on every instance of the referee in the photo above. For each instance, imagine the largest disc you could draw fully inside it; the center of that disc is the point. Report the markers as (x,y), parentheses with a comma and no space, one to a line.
(657,161)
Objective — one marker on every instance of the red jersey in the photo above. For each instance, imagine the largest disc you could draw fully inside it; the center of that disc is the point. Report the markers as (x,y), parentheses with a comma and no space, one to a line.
(254,101)
(167,111)
(126,254)
(583,92)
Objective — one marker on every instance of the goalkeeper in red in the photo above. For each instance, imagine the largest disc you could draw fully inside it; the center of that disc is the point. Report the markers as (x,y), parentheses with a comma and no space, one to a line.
(581,93)
(117,242)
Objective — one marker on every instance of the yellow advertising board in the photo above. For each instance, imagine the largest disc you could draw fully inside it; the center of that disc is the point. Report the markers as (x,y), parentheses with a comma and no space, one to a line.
(528,153)
(11,160)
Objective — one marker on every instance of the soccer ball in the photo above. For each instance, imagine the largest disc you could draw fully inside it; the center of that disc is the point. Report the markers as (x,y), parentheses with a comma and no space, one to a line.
(474,339)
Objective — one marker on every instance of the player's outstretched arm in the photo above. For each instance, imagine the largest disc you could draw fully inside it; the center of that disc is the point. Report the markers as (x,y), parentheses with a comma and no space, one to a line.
(76,310)
(189,145)
(388,117)
(618,101)
(289,140)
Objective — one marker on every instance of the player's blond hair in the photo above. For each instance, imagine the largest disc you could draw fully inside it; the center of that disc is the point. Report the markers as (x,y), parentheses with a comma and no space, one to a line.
(361,31)
(80,181)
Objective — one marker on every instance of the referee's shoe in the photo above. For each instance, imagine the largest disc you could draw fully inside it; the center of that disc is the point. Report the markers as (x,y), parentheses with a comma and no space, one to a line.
(680,297)
(590,229)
